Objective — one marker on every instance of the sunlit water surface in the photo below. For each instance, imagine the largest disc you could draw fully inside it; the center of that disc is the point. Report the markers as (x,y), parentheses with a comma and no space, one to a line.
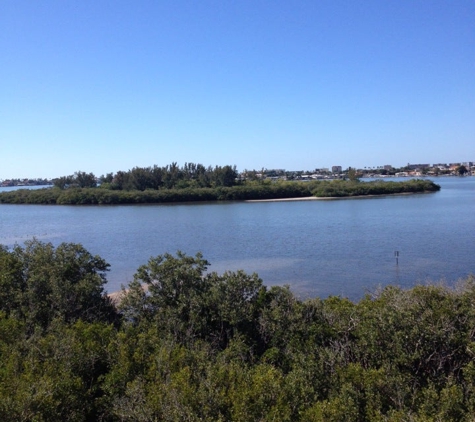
(319,248)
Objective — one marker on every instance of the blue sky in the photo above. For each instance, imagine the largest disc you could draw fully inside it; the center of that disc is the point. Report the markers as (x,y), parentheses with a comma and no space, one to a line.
(102,86)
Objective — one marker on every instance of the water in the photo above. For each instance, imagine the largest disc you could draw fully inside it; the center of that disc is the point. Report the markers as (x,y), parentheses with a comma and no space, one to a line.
(320,248)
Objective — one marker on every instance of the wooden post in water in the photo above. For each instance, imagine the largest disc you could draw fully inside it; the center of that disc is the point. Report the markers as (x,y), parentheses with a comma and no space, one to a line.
(396,254)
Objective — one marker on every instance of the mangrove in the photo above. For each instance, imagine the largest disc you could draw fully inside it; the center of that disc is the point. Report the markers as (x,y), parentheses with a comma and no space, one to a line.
(245,190)
(182,343)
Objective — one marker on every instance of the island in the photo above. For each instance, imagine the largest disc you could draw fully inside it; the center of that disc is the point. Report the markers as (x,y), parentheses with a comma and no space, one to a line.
(197,183)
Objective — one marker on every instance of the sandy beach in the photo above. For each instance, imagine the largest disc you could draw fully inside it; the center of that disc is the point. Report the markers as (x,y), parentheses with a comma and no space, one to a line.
(306,198)
(330,198)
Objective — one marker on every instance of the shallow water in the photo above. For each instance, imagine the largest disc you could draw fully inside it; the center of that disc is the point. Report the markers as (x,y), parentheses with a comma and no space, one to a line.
(343,247)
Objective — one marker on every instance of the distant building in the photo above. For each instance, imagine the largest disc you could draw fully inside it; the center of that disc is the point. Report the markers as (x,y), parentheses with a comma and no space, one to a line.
(388,167)
(417,166)
(336,169)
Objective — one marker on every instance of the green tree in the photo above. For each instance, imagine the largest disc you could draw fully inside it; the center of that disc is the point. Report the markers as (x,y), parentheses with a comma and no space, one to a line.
(107,178)
(120,180)
(352,175)
(85,180)
(63,182)
(225,176)
(233,305)
(175,297)
(41,283)
(141,178)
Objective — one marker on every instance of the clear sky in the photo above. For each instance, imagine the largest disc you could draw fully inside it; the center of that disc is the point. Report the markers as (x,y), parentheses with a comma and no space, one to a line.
(101,86)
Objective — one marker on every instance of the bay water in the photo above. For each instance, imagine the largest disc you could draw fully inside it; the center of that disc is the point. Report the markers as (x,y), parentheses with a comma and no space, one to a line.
(319,248)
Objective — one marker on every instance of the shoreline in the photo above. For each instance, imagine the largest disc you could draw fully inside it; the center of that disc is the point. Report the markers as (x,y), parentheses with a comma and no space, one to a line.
(327,198)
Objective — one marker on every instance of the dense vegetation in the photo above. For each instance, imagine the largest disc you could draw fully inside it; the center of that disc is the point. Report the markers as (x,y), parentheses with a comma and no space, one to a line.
(82,196)
(343,188)
(191,175)
(245,190)
(199,346)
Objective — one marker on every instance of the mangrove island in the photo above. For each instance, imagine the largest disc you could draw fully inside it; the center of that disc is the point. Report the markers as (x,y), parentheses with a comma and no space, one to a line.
(195,182)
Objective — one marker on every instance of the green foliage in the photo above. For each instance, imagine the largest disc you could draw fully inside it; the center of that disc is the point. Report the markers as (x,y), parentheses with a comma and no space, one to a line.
(175,294)
(55,376)
(40,283)
(189,304)
(46,196)
(352,176)
(194,345)
(122,191)
(79,179)
(104,196)
(191,175)
(343,188)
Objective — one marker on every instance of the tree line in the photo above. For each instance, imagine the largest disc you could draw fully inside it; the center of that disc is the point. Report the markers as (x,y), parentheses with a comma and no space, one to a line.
(183,343)
(172,176)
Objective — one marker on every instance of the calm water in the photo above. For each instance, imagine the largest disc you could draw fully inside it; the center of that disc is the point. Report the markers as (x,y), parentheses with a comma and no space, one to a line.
(343,247)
